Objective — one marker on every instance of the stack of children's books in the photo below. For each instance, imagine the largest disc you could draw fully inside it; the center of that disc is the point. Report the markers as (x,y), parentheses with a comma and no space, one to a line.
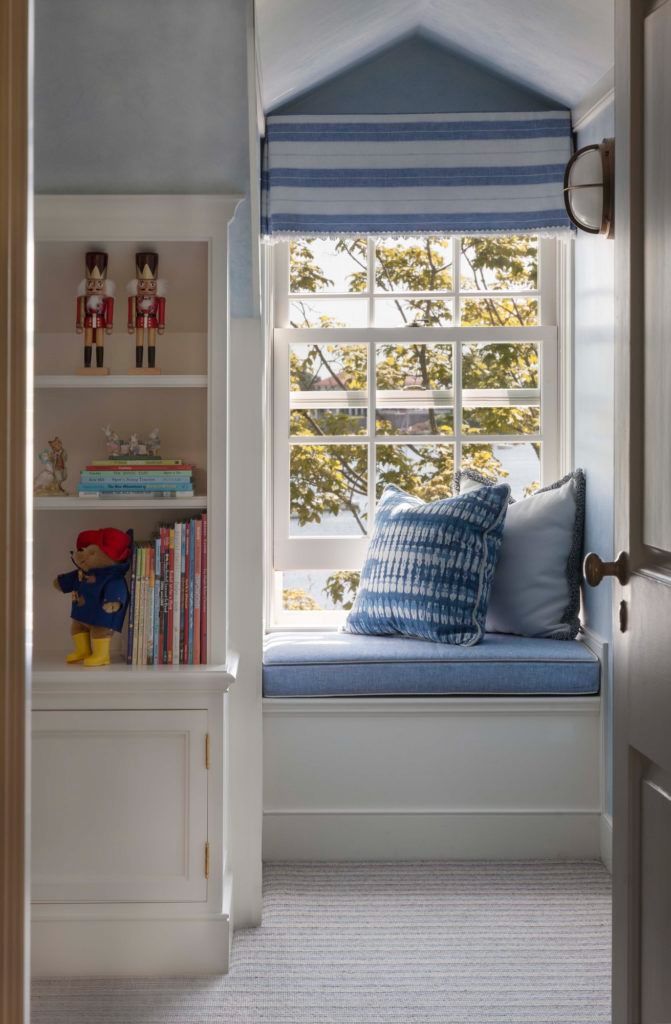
(167,622)
(146,477)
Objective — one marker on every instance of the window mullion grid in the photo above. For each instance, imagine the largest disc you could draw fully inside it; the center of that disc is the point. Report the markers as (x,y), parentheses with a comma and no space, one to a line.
(456,351)
(372,430)
(372,386)
(458,439)
(456,376)
(371,281)
(456,274)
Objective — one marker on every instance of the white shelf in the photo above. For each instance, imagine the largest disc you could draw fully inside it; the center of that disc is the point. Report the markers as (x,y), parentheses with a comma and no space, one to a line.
(121,380)
(86,504)
(50,669)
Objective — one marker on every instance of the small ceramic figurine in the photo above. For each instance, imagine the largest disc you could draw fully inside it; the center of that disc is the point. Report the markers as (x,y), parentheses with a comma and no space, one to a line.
(135,447)
(53,474)
(99,592)
(95,309)
(146,308)
(154,442)
(112,441)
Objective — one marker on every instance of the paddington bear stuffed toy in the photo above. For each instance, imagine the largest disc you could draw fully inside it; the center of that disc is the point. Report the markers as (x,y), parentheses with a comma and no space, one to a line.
(99,592)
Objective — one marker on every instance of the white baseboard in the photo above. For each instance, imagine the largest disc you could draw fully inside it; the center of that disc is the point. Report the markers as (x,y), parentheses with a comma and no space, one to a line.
(409,835)
(606,840)
(66,945)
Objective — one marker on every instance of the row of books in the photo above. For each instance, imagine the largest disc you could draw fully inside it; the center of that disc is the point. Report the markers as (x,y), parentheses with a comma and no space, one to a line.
(167,622)
(141,477)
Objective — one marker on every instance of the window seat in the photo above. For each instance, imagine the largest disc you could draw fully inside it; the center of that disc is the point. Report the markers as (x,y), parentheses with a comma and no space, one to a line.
(330,664)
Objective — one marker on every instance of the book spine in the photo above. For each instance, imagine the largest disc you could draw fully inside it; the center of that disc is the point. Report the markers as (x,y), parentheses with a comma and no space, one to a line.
(164,596)
(136,484)
(108,486)
(157,599)
(150,606)
(192,580)
(131,607)
(182,601)
(196,590)
(137,659)
(171,592)
(138,596)
(137,475)
(203,597)
(142,651)
(154,469)
(102,495)
(124,460)
(185,590)
(177,600)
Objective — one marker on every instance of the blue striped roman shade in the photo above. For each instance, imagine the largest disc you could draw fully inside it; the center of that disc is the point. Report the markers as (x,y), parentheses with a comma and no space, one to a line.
(410,174)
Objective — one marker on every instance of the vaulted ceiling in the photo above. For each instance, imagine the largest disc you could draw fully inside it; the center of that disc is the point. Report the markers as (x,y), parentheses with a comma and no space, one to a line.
(560,48)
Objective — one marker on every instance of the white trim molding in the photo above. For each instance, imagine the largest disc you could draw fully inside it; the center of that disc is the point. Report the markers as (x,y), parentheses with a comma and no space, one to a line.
(597,99)
(606,841)
(431,778)
(600,647)
(410,834)
(98,940)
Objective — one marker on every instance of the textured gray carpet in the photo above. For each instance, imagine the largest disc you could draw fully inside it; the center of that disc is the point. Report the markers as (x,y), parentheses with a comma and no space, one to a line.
(455,943)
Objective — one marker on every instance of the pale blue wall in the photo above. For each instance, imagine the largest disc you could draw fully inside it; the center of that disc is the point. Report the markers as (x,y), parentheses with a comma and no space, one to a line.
(145,96)
(413,76)
(594,401)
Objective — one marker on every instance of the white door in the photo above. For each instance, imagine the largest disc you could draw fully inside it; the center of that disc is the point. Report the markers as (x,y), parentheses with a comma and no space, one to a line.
(119,806)
(642,606)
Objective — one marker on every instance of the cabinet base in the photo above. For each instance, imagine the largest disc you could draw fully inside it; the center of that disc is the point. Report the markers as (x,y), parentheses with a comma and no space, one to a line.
(67,943)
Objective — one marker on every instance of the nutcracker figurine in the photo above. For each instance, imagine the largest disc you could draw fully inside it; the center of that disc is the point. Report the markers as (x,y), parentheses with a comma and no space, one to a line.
(146,308)
(95,309)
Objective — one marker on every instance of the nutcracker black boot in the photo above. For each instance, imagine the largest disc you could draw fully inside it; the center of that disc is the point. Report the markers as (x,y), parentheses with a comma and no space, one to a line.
(100,356)
(151,357)
(138,356)
(87,356)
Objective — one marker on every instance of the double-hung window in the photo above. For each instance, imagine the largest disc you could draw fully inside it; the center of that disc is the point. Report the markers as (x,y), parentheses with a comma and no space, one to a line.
(397,361)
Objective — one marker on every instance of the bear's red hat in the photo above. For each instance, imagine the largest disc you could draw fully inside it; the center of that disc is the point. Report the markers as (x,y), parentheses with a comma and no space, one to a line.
(115,543)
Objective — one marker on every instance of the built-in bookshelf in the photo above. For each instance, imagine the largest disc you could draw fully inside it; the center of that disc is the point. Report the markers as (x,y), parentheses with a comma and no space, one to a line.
(186,401)
(130,801)
(71,382)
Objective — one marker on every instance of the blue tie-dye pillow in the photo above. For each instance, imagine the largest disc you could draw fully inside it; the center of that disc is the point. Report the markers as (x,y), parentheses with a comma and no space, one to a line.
(429,567)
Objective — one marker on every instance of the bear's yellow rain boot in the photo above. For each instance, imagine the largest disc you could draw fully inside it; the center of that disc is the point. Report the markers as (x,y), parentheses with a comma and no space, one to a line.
(82,642)
(101,652)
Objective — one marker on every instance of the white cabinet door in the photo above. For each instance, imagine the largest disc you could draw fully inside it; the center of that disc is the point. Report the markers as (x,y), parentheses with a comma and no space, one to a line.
(119,806)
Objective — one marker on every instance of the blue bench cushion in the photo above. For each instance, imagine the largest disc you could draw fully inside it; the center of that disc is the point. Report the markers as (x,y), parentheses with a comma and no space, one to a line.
(333,664)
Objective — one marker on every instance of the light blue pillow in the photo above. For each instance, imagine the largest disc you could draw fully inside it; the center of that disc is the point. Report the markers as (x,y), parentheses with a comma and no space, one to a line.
(536,587)
(429,566)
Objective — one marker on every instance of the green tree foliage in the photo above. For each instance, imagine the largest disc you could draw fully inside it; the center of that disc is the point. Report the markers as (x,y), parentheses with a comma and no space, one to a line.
(332,480)
(341,588)
(296,600)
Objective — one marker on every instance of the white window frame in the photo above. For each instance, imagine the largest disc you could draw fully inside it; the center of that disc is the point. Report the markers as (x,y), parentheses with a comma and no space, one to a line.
(347,553)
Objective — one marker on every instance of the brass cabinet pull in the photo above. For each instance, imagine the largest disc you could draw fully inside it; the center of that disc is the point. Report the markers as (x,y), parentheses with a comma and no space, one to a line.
(595,569)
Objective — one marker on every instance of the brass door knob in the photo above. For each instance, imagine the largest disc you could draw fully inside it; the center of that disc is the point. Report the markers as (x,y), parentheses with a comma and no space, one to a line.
(595,569)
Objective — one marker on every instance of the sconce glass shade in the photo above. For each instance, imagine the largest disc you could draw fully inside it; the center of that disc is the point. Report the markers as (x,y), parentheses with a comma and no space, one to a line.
(588,188)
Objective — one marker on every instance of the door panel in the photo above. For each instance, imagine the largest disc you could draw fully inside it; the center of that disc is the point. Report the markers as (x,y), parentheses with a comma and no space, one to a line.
(119,806)
(657,254)
(642,654)
(655,873)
